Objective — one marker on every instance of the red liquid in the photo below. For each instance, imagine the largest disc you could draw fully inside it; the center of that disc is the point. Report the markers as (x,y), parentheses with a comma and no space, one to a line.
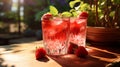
(55,35)
(78,31)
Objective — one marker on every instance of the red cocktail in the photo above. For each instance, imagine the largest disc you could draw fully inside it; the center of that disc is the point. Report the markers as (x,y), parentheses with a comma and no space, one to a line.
(55,34)
(78,29)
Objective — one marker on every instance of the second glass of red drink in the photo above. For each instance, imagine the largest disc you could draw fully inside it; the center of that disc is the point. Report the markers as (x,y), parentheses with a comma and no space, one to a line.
(78,29)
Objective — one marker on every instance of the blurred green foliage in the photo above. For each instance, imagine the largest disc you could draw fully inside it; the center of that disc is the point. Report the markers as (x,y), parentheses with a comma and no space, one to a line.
(104,13)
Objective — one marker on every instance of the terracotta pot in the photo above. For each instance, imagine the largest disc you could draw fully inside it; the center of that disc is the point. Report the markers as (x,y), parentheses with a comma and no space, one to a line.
(103,35)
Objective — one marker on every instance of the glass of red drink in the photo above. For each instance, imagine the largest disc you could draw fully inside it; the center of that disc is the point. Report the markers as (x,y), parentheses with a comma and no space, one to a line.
(55,34)
(78,29)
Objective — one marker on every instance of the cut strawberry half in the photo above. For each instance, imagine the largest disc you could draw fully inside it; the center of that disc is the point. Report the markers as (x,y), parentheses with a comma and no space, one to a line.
(83,15)
(70,50)
(72,47)
(46,16)
(40,53)
(81,52)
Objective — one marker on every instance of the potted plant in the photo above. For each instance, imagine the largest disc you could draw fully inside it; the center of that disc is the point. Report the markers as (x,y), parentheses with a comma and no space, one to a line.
(103,21)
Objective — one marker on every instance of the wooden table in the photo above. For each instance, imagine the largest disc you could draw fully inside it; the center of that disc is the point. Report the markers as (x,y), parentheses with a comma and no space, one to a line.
(23,55)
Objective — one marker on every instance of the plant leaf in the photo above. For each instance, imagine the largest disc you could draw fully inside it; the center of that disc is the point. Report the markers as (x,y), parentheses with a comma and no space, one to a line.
(72,10)
(40,14)
(75,14)
(53,10)
(66,14)
(72,3)
(116,1)
(112,13)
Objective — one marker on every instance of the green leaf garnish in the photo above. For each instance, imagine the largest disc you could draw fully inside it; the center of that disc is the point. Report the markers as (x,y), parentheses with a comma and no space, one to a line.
(75,14)
(66,14)
(53,10)
(72,10)
(72,3)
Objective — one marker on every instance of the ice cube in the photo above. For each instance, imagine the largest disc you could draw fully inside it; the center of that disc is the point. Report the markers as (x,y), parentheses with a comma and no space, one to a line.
(51,31)
(72,20)
(56,21)
(81,21)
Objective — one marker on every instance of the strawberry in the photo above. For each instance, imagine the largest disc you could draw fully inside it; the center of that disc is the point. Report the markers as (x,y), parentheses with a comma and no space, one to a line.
(83,15)
(70,50)
(40,53)
(81,52)
(46,16)
(46,22)
(72,47)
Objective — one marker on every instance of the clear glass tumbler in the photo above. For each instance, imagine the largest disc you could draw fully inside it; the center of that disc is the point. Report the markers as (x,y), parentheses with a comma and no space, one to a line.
(55,35)
(78,31)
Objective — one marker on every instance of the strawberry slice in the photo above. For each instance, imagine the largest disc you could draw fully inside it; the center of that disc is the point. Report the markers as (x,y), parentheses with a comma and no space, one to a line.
(72,47)
(40,53)
(81,52)
(83,15)
(70,50)
(47,16)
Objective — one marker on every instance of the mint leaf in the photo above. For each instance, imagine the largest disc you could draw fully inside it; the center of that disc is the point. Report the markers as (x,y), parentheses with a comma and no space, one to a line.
(53,10)
(75,14)
(72,10)
(66,14)
(72,3)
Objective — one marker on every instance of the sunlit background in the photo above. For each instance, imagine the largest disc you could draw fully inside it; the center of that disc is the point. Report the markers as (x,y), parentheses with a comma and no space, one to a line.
(17,16)
(15,5)
(24,16)
(11,10)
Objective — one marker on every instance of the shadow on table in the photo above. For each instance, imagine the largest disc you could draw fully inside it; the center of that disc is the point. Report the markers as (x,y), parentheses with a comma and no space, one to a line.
(74,61)
(45,59)
(96,58)
(115,48)
(24,40)
(10,49)
(4,65)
